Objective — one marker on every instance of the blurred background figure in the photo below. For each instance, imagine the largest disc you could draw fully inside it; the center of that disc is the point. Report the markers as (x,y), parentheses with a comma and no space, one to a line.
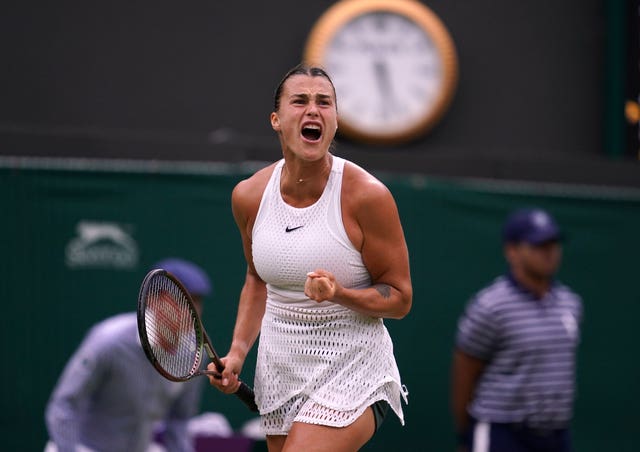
(110,398)
(513,376)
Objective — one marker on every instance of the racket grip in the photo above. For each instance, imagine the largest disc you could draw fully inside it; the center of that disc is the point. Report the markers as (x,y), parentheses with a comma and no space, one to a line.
(245,393)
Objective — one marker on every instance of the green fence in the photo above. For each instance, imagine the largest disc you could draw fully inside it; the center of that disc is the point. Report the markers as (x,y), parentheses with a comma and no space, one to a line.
(76,242)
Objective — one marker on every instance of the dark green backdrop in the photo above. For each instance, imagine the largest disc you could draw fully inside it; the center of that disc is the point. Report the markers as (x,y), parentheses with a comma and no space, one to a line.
(50,297)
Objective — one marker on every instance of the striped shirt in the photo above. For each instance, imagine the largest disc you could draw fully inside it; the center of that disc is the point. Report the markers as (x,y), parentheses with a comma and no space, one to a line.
(529,345)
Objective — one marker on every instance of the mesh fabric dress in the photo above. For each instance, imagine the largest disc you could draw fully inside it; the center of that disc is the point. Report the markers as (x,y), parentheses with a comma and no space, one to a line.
(318,363)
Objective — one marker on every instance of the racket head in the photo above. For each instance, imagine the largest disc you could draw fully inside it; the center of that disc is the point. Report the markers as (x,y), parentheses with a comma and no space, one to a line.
(169,326)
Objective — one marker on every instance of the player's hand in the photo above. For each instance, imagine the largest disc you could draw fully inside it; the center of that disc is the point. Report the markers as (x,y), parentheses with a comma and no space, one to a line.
(320,285)
(226,382)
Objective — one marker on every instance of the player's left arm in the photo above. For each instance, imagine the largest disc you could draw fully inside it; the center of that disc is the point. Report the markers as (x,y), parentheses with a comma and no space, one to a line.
(373,224)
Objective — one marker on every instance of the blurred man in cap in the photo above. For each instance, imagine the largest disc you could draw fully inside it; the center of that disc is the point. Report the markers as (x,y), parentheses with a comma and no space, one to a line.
(110,398)
(192,277)
(513,374)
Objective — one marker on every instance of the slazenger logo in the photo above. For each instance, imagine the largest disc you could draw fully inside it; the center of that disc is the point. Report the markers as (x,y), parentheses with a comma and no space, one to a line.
(101,244)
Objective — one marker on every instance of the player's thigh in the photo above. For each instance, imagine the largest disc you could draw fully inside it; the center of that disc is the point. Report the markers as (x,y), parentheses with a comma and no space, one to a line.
(321,438)
(275,443)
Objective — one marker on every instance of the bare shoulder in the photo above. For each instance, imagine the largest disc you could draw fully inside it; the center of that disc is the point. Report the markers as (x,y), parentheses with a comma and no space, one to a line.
(246,195)
(369,213)
(364,189)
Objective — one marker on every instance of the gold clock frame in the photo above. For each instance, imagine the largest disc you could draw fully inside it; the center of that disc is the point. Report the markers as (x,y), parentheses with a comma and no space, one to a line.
(344,11)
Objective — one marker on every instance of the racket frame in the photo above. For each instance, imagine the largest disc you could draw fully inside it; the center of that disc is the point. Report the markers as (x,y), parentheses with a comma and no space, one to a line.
(244,392)
(142,330)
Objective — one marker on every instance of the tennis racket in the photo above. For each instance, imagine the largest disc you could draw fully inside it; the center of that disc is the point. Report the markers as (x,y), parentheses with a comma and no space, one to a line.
(172,334)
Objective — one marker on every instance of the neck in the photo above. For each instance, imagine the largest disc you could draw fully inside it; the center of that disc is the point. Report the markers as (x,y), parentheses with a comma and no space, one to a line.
(302,174)
(301,186)
(537,284)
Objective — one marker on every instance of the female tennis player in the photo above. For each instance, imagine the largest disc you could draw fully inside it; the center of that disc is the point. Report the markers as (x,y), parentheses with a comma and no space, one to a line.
(327,261)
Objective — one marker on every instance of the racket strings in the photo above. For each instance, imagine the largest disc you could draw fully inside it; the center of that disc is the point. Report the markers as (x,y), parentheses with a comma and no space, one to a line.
(171,329)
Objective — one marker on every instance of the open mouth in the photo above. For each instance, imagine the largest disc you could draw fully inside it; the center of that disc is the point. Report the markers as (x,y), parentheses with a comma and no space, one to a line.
(311,132)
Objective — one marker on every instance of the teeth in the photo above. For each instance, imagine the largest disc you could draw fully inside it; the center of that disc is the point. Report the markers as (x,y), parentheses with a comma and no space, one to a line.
(312,126)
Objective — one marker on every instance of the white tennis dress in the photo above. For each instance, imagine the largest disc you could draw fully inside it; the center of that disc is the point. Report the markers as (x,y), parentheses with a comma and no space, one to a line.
(318,363)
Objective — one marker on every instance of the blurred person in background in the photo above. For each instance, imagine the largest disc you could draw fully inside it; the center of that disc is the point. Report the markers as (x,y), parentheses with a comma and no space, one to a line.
(514,363)
(110,398)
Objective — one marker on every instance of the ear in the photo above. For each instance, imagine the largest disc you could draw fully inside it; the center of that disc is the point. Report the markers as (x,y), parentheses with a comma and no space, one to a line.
(275,121)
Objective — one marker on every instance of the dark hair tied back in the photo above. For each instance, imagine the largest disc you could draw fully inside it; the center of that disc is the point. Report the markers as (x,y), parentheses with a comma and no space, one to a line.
(300,69)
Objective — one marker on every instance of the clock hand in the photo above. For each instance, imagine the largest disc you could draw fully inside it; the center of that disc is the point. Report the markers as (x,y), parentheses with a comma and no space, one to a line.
(384,86)
(382,77)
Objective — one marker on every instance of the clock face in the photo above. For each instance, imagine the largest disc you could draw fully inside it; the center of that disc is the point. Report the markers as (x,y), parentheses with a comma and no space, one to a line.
(386,71)
(392,63)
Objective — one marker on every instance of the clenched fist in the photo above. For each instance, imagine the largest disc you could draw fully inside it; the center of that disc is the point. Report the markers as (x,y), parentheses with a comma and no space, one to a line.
(320,285)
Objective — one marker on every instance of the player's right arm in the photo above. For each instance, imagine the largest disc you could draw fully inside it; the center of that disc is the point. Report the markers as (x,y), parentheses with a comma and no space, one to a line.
(245,201)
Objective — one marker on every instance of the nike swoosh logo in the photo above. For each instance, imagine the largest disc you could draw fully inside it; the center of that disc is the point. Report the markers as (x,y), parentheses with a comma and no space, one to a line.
(288,229)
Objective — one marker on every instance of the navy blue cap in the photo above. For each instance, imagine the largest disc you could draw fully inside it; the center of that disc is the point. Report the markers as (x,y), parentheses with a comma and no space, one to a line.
(534,226)
(192,277)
